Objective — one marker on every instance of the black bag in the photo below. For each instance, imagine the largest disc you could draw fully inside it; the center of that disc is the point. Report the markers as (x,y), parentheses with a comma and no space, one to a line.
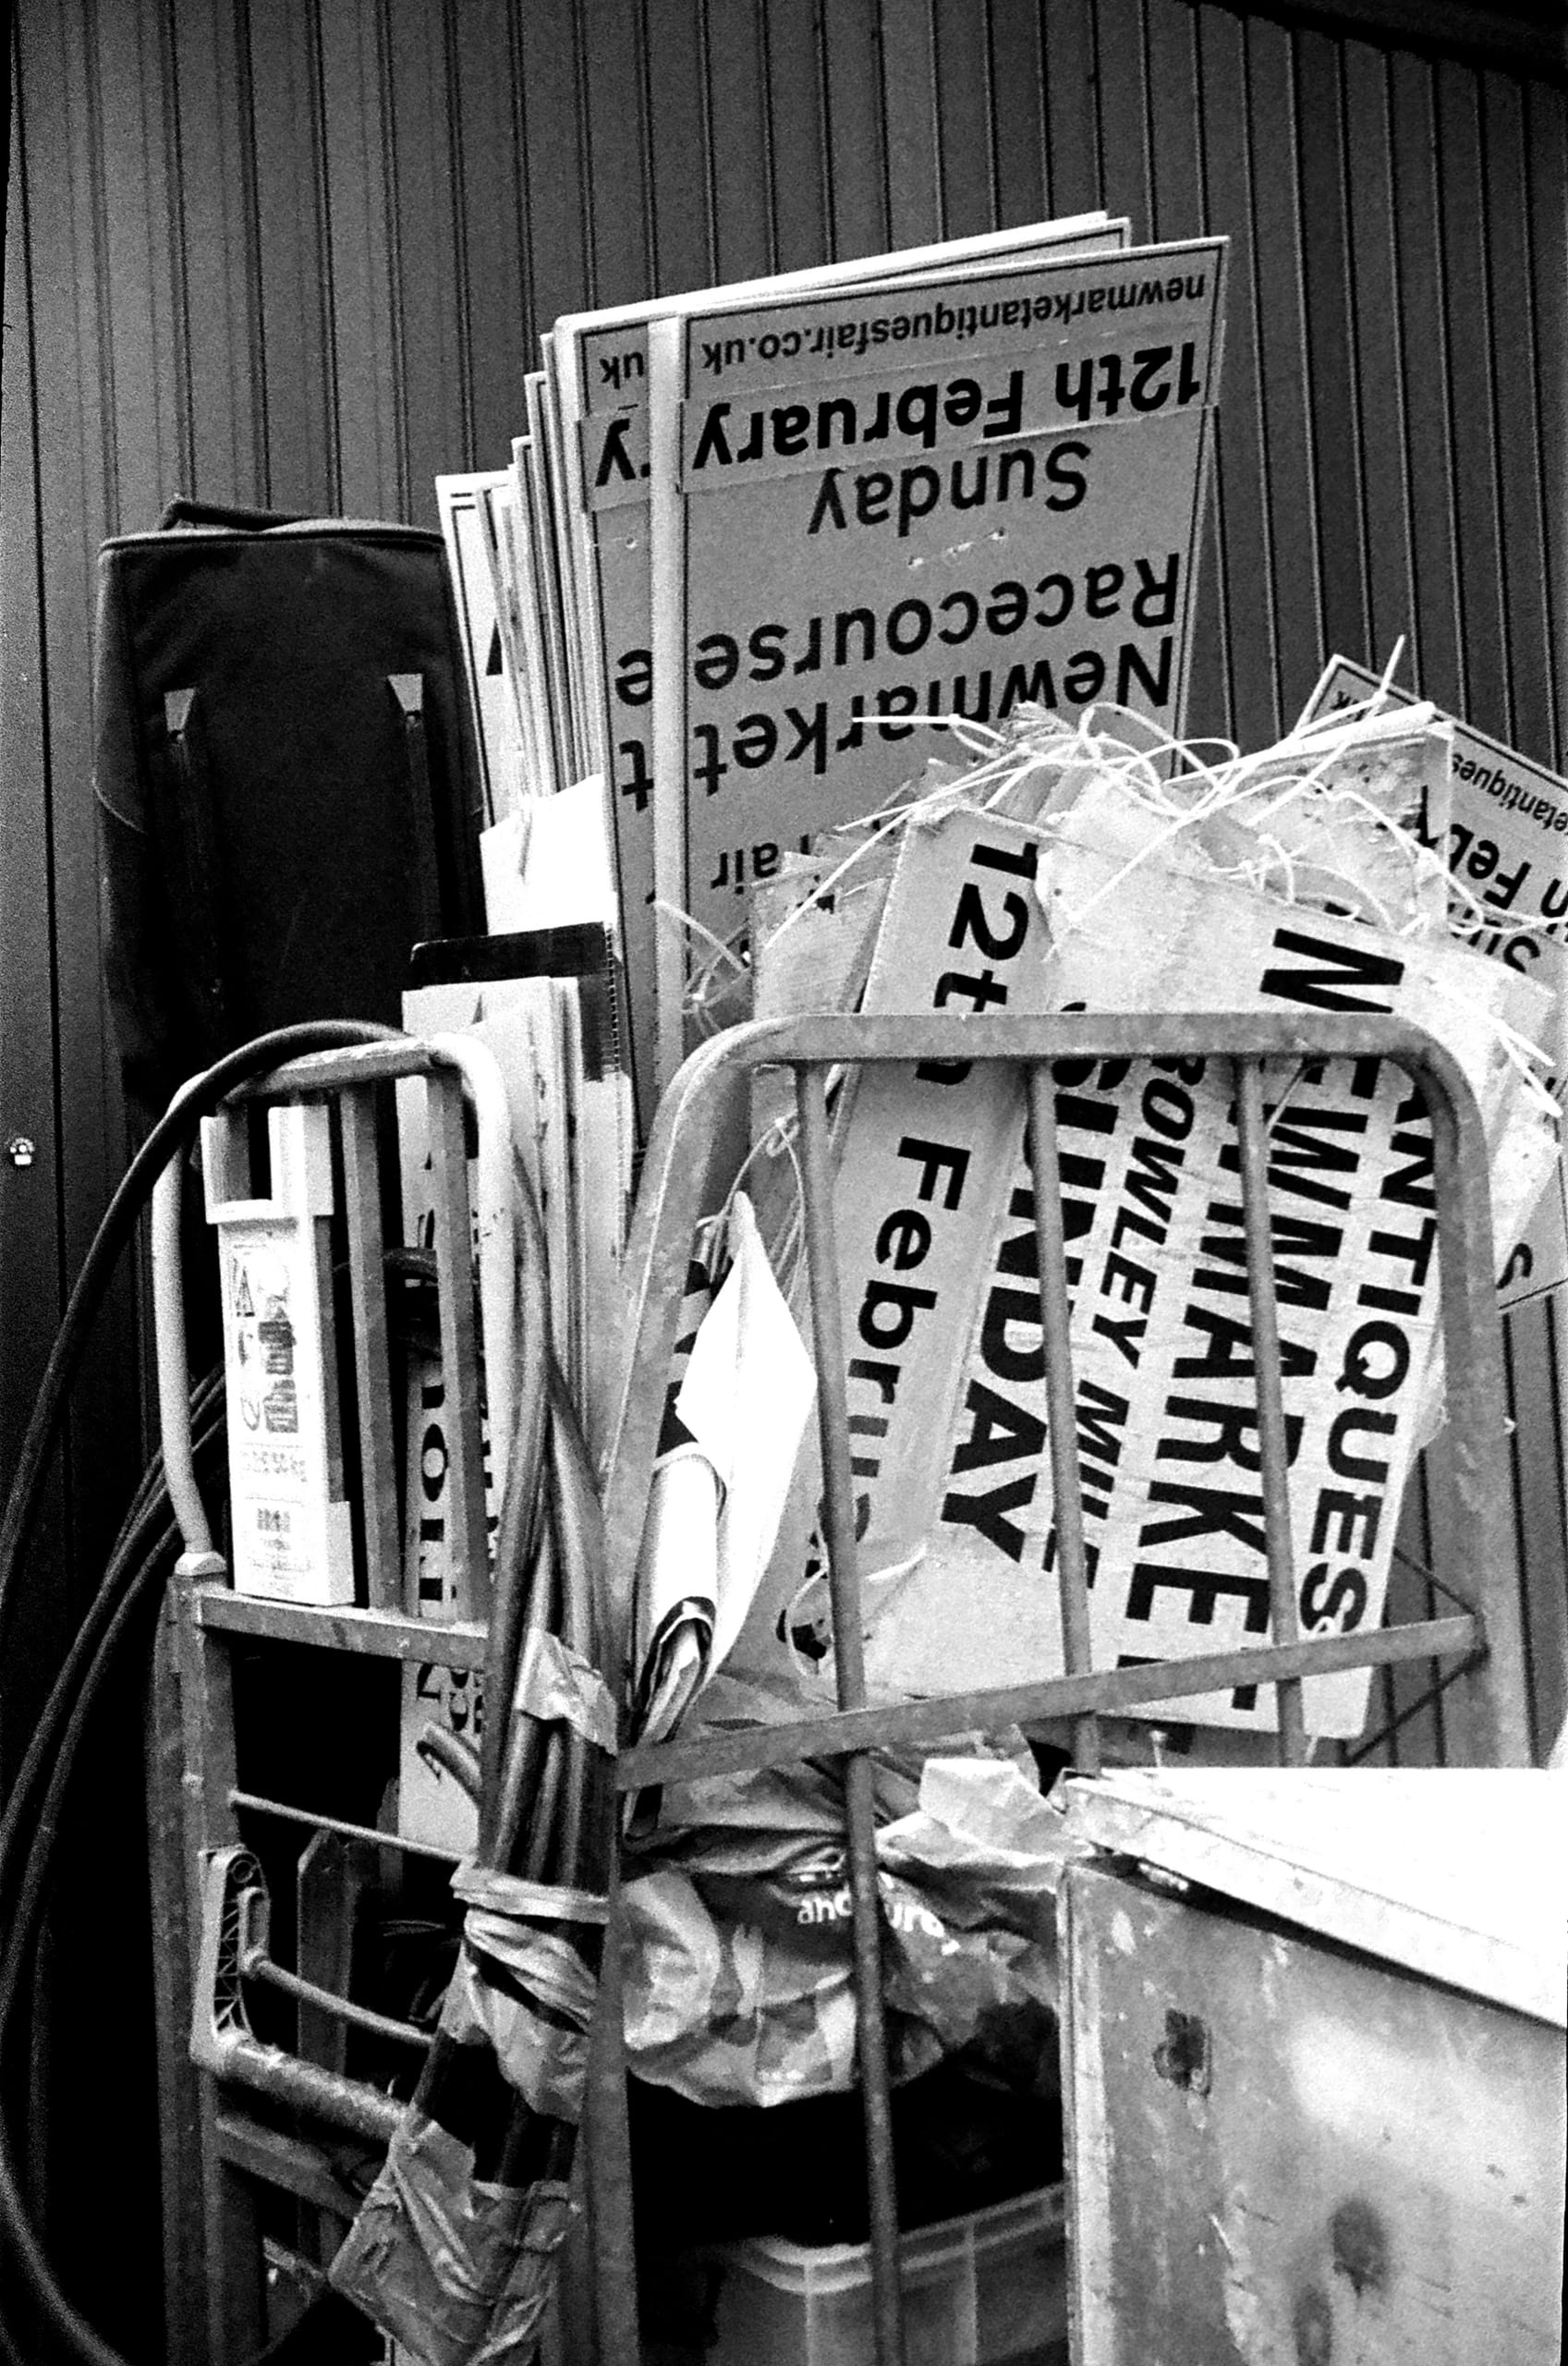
(289,795)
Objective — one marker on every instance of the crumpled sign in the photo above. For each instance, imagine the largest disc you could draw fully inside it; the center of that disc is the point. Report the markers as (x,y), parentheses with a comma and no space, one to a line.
(431,2249)
(738,1977)
(719,1494)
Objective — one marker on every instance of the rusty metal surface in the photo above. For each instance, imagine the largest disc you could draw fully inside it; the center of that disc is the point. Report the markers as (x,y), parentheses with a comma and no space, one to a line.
(1288,2155)
(383,1634)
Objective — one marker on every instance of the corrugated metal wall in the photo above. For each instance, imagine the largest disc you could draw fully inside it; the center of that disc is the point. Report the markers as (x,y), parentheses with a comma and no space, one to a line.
(297,252)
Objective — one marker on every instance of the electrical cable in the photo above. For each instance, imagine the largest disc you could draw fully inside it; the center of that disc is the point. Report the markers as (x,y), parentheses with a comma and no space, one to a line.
(138,1569)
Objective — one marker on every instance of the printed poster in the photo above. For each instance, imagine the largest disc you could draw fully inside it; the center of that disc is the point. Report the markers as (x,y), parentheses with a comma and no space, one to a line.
(969,498)
(1508,844)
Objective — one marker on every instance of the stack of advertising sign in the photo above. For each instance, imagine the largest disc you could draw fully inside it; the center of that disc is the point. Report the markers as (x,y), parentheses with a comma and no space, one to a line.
(1071,871)
(771,565)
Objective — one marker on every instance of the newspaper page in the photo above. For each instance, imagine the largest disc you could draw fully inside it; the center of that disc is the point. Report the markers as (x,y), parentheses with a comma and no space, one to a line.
(940,1276)
(969,498)
(1507,842)
(598,366)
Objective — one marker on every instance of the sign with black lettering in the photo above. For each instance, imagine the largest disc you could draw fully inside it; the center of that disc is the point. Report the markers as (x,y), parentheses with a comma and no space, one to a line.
(598,367)
(1507,843)
(938,1245)
(872,514)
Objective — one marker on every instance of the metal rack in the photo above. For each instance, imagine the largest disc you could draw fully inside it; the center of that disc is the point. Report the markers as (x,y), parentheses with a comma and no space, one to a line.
(685,1176)
(219,2149)
(219,2146)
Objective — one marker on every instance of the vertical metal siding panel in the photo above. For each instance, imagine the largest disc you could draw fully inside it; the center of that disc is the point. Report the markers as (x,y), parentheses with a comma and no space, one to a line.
(1547,156)
(796,145)
(1541,1519)
(299,392)
(1017,106)
(89,397)
(369,425)
(1074,179)
(1282,349)
(737,111)
(1462,201)
(137,289)
(617,149)
(1331,350)
(78,392)
(1241,505)
(857,141)
(1518,429)
(1122,98)
(965,154)
(32,1259)
(1175,123)
(430,388)
(554,164)
(219,324)
(679,160)
(1535,1408)
(1385,489)
(1547,196)
(1180,211)
(1424,335)
(910,109)
(500,320)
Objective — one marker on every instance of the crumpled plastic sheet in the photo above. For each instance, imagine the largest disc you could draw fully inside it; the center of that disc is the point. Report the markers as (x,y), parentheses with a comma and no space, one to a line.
(459,2273)
(739,1983)
(530,1996)
(559,1687)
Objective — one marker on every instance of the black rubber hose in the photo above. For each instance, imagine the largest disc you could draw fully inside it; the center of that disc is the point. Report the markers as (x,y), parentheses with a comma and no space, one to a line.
(148,1517)
(143,1582)
(196,1099)
(109,1617)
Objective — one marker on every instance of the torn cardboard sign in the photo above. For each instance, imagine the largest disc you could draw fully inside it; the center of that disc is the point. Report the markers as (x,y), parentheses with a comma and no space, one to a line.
(1115,907)
(1505,840)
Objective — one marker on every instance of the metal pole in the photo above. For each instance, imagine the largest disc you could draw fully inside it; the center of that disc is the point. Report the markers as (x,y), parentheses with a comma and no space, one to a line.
(1273,1444)
(1055,1316)
(849,1662)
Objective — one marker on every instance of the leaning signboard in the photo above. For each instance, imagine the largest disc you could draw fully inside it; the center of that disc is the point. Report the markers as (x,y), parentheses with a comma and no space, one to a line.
(1508,847)
(598,366)
(935,1225)
(967,498)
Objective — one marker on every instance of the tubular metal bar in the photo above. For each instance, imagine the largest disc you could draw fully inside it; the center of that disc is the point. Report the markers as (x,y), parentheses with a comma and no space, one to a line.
(671,1203)
(1476,1390)
(335,1823)
(843,1582)
(1272,1442)
(378,1476)
(257,1966)
(1108,1690)
(1055,1316)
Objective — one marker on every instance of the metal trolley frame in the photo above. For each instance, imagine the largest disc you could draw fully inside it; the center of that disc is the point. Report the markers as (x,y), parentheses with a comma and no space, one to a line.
(216,2150)
(684,1179)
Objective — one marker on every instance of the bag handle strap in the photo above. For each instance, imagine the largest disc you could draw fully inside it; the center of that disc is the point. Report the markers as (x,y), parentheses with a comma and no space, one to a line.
(187,842)
(213,517)
(408,697)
